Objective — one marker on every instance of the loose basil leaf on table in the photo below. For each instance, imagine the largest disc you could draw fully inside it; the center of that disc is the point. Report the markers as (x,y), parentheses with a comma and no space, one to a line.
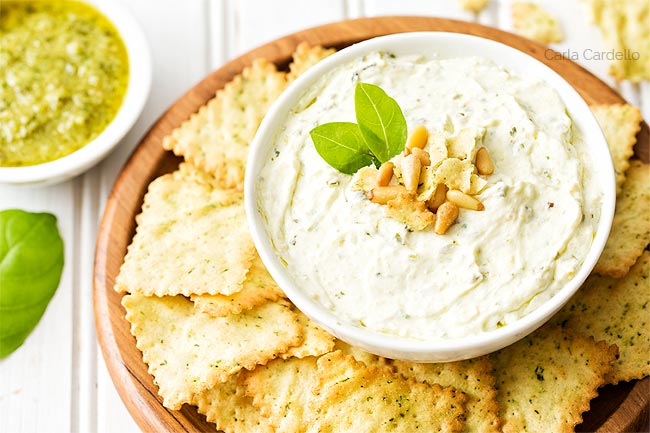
(380,120)
(31,262)
(342,146)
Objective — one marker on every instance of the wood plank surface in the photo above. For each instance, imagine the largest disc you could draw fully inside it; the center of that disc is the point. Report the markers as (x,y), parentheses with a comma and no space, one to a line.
(621,410)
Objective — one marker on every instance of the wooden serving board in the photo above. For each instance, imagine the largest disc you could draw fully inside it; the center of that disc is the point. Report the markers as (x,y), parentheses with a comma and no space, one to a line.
(620,408)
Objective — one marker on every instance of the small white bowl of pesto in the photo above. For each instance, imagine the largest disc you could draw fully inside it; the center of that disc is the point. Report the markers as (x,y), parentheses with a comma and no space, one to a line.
(429,196)
(75,77)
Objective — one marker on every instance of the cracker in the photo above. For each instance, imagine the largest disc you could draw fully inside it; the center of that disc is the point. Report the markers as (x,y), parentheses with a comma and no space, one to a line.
(532,373)
(358,353)
(217,137)
(316,340)
(258,287)
(354,397)
(365,179)
(465,144)
(189,352)
(630,232)
(305,57)
(190,239)
(620,124)
(230,409)
(475,6)
(413,213)
(617,311)
(533,22)
(473,377)
(437,148)
(281,390)
(456,174)
(625,29)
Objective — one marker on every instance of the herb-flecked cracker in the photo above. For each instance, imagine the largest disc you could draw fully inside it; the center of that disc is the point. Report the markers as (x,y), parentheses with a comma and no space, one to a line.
(190,238)
(258,288)
(630,232)
(625,29)
(230,409)
(282,389)
(316,340)
(473,377)
(620,124)
(216,139)
(359,354)
(533,22)
(354,397)
(188,351)
(617,311)
(305,57)
(532,373)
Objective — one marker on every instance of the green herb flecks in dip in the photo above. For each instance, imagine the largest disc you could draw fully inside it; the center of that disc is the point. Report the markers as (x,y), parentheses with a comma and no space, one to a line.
(63,75)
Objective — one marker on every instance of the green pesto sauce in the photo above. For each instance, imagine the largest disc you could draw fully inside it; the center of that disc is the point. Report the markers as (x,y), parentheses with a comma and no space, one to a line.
(63,75)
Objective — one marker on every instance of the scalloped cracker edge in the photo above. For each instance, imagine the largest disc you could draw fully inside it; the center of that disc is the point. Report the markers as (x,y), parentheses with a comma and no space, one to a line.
(216,138)
(551,362)
(258,288)
(305,57)
(190,238)
(630,232)
(617,311)
(620,124)
(189,352)
(473,377)
(353,396)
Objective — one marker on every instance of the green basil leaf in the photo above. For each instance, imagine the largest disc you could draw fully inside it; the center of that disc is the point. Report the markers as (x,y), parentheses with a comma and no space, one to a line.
(380,121)
(31,262)
(341,145)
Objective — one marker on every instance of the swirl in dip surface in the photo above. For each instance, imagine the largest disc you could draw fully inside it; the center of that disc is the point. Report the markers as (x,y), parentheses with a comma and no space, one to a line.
(492,267)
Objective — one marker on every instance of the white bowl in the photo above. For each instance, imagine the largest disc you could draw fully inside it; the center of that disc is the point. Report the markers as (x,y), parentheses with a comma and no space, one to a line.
(139,84)
(446,45)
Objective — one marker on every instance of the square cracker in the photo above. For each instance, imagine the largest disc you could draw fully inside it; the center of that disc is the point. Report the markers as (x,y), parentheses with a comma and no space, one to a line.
(354,397)
(630,232)
(281,390)
(533,22)
(617,311)
(230,409)
(551,362)
(258,288)
(359,354)
(625,29)
(217,137)
(189,352)
(473,377)
(620,124)
(190,238)
(305,57)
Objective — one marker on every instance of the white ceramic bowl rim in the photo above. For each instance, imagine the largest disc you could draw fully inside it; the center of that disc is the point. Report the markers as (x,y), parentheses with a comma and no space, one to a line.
(446,45)
(138,87)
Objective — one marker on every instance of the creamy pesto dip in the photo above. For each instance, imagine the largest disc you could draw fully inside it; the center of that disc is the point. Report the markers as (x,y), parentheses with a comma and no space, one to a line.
(492,267)
(63,75)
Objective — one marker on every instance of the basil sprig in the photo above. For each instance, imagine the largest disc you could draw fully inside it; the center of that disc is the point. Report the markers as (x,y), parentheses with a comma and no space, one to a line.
(379,135)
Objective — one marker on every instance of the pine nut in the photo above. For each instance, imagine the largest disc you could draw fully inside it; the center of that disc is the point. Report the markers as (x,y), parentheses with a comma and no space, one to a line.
(411,168)
(438,197)
(463,200)
(418,138)
(484,163)
(385,173)
(384,194)
(445,217)
(422,155)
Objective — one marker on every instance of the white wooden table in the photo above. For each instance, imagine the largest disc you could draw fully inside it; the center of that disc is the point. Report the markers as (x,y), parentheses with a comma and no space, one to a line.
(57,381)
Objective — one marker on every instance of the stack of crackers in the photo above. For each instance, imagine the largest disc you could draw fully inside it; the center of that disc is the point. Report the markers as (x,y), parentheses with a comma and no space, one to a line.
(218,333)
